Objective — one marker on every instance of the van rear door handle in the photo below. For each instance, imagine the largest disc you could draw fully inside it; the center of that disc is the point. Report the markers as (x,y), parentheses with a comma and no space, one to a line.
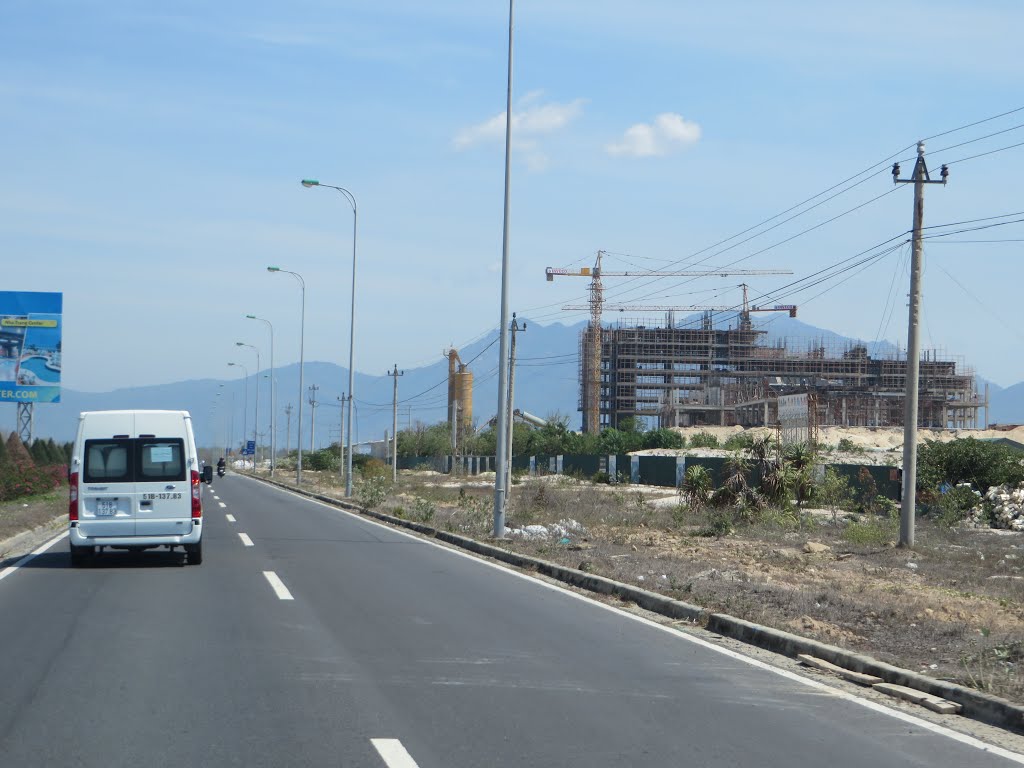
(169,488)
(145,503)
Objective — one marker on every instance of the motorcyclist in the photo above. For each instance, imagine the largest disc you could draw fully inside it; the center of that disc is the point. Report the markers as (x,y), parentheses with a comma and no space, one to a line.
(220,466)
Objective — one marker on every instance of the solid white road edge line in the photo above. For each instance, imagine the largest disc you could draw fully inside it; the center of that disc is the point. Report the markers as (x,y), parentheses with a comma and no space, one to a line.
(904,716)
(230,517)
(393,753)
(245,539)
(278,586)
(38,551)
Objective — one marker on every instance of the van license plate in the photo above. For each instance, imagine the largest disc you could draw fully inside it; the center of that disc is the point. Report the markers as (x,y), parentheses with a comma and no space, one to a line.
(106,507)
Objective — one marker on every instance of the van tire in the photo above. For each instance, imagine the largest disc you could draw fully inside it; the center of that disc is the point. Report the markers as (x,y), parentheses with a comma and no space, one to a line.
(194,553)
(80,556)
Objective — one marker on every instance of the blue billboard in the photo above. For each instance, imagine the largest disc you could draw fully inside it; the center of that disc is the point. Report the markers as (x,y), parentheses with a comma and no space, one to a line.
(30,330)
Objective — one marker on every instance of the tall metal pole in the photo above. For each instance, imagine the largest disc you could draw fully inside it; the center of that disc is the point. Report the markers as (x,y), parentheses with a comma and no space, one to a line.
(256,421)
(919,178)
(302,344)
(352,324)
(273,396)
(245,404)
(394,423)
(503,425)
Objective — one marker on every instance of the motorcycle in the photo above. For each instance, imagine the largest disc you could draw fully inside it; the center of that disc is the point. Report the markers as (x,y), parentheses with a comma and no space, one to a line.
(220,471)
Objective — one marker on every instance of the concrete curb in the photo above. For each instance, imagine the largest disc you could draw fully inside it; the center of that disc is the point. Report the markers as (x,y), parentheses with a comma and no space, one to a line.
(976,704)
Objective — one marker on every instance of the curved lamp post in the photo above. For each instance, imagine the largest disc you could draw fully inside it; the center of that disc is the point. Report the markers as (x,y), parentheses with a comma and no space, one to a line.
(302,342)
(245,405)
(352,326)
(256,422)
(273,396)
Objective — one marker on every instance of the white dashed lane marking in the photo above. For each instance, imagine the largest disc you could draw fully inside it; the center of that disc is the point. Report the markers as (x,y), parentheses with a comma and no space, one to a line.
(222,504)
(278,586)
(245,539)
(393,753)
(231,518)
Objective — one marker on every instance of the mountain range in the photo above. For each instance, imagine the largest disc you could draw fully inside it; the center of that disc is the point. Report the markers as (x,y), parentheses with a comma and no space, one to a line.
(546,383)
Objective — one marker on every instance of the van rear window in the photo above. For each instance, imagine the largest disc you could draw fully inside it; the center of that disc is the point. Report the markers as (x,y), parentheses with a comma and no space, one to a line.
(108,461)
(160,459)
(126,460)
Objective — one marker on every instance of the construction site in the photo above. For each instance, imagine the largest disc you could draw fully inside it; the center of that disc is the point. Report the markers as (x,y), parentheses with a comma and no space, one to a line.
(694,374)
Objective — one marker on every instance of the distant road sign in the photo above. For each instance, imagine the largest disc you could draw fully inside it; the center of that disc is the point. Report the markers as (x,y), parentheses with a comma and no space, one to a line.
(250,448)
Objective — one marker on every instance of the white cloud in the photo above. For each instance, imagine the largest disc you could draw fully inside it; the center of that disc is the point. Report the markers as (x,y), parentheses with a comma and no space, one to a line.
(668,132)
(529,120)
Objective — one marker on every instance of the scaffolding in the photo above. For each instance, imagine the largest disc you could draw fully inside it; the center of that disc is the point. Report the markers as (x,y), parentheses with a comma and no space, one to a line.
(680,377)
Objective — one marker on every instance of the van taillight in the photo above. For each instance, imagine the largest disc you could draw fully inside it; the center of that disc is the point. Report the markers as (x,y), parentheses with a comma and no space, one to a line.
(197,503)
(73,496)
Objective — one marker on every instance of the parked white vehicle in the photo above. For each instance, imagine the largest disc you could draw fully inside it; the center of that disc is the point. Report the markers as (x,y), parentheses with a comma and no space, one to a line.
(135,483)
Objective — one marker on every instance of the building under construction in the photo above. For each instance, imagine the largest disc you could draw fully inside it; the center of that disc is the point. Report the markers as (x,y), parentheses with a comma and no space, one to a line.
(691,376)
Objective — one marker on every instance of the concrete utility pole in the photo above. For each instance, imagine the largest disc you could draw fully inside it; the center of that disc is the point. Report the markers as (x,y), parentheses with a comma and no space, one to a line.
(503,425)
(288,426)
(919,178)
(312,416)
(394,423)
(341,440)
(514,328)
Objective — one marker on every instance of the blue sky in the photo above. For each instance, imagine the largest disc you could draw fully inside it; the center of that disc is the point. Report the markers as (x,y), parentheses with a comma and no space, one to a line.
(153,153)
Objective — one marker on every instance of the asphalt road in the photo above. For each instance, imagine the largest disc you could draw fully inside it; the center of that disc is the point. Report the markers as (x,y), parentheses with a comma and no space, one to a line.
(444,660)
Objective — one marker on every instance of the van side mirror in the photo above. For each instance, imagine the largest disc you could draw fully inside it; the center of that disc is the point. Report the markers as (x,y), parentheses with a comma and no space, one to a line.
(208,474)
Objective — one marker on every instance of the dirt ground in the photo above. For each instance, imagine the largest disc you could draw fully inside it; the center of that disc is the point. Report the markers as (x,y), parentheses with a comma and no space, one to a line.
(950,608)
(47,511)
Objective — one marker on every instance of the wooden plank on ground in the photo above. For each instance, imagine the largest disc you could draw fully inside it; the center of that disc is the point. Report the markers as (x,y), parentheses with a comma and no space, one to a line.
(856,677)
(934,703)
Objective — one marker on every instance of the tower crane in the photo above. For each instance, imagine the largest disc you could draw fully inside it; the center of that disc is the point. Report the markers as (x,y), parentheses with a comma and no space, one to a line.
(592,378)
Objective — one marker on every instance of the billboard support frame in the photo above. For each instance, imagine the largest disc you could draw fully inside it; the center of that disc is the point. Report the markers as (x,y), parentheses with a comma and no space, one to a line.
(26,421)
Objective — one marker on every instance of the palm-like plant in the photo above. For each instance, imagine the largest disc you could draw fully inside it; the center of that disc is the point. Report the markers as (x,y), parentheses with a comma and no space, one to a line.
(696,486)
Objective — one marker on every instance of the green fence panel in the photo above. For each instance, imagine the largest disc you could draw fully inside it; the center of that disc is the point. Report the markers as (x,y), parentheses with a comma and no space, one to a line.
(887,479)
(658,470)
(581,464)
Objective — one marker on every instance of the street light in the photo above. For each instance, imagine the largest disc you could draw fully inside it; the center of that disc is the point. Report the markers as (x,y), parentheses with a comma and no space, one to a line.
(256,422)
(273,396)
(352,327)
(302,342)
(245,405)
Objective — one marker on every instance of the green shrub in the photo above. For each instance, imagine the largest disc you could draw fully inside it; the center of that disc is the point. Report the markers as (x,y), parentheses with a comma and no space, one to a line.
(703,440)
(955,505)
(372,469)
(372,491)
(741,441)
(719,524)
(874,531)
(697,486)
(21,479)
(966,460)
(846,445)
(423,510)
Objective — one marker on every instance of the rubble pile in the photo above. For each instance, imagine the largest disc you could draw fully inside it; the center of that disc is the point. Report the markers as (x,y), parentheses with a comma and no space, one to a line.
(1007,505)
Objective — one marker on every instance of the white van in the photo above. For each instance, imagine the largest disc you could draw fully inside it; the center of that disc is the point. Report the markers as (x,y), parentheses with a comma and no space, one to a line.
(135,483)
